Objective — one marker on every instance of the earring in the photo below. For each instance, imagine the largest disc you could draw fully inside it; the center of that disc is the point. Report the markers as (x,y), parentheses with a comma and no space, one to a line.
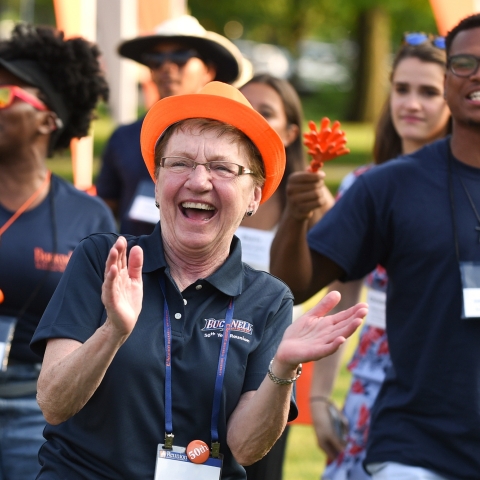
(249,213)
(157,204)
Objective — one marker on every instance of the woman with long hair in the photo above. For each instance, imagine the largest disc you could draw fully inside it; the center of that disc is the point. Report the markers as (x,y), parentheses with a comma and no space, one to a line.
(278,102)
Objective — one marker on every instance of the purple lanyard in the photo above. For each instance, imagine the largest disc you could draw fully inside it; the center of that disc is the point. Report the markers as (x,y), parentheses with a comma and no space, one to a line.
(222,360)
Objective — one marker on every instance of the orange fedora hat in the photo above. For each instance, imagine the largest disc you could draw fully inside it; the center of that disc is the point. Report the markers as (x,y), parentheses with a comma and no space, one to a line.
(222,102)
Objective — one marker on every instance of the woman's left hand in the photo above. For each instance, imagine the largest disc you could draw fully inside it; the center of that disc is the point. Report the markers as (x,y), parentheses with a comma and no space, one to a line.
(314,336)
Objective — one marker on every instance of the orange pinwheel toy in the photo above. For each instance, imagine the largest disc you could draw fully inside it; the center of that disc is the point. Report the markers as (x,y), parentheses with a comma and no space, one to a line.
(326,144)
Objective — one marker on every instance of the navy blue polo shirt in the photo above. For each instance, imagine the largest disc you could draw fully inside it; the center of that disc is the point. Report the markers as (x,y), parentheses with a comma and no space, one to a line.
(115,435)
(399,215)
(122,170)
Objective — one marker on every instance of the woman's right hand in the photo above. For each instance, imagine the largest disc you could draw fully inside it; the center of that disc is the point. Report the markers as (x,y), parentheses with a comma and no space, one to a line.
(305,194)
(122,290)
(327,438)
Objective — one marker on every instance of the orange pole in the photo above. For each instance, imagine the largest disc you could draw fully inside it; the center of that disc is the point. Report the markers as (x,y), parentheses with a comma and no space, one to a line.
(448,12)
(76,18)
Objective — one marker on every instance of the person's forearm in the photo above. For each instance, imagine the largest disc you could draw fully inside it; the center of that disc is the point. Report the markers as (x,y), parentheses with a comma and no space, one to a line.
(324,374)
(303,270)
(290,257)
(69,379)
(260,418)
(325,370)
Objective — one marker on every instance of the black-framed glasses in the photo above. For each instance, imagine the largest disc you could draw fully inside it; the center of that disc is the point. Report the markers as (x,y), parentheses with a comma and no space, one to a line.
(463,65)
(178,57)
(419,38)
(218,169)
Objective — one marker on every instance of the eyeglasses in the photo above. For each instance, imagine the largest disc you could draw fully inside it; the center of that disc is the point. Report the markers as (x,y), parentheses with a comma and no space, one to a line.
(178,57)
(9,92)
(218,169)
(419,38)
(463,65)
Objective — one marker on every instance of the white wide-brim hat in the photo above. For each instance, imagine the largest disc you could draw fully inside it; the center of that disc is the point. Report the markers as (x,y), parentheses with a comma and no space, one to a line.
(187,31)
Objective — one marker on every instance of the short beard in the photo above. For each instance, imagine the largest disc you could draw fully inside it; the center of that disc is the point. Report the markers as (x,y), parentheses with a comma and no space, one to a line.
(472,123)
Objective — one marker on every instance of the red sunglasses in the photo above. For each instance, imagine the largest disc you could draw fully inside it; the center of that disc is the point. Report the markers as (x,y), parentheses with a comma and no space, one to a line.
(9,92)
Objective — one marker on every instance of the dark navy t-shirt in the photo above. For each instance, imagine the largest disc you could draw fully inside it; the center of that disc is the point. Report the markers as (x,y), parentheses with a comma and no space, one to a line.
(34,252)
(122,170)
(115,435)
(399,215)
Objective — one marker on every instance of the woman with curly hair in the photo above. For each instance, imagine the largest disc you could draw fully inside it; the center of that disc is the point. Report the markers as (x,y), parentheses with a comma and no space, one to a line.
(49,87)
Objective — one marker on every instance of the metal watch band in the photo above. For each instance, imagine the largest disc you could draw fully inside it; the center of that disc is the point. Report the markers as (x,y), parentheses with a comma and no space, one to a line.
(283,381)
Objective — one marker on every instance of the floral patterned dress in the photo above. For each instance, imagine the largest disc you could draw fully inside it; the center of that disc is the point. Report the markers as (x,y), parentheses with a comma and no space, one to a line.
(368,366)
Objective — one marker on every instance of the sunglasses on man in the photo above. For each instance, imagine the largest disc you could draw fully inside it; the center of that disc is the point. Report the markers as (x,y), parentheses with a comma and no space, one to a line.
(8,93)
(419,38)
(178,57)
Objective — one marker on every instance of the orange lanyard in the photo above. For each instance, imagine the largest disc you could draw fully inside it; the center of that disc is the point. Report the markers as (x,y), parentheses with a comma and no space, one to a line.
(27,203)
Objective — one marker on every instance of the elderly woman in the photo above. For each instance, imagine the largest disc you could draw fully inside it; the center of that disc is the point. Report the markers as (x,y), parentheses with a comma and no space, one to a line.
(185,343)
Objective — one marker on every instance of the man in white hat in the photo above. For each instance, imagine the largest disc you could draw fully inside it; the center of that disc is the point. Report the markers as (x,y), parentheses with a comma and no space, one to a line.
(182,57)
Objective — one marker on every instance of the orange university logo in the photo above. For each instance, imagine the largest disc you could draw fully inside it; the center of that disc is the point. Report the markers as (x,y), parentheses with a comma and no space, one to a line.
(49,261)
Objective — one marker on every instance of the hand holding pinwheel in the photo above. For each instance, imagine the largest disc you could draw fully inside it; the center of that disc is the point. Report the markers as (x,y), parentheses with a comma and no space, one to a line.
(326,144)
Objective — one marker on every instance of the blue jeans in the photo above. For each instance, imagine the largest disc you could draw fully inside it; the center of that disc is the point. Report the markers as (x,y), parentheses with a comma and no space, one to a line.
(21,428)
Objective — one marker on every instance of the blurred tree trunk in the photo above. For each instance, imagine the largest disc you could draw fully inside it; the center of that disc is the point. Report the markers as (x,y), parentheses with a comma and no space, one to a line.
(371,81)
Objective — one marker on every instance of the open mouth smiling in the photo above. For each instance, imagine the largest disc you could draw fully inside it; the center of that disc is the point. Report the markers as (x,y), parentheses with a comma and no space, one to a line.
(475,96)
(198,210)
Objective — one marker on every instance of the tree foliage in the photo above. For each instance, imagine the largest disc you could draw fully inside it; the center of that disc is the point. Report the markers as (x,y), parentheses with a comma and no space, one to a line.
(284,22)
(375,26)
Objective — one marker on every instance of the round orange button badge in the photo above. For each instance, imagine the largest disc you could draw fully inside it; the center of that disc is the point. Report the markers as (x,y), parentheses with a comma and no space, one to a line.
(198,451)
(2,296)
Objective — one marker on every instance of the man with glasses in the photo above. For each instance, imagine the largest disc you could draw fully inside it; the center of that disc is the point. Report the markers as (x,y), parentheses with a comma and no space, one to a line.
(182,57)
(419,217)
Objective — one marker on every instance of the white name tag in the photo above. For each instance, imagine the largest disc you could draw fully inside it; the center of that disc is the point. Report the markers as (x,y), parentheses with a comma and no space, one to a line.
(143,209)
(256,247)
(471,302)
(377,307)
(7,328)
(470,275)
(175,465)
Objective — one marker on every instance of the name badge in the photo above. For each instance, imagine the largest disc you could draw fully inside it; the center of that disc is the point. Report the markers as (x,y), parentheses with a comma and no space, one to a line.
(377,307)
(255,246)
(143,207)
(470,275)
(174,464)
(7,327)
